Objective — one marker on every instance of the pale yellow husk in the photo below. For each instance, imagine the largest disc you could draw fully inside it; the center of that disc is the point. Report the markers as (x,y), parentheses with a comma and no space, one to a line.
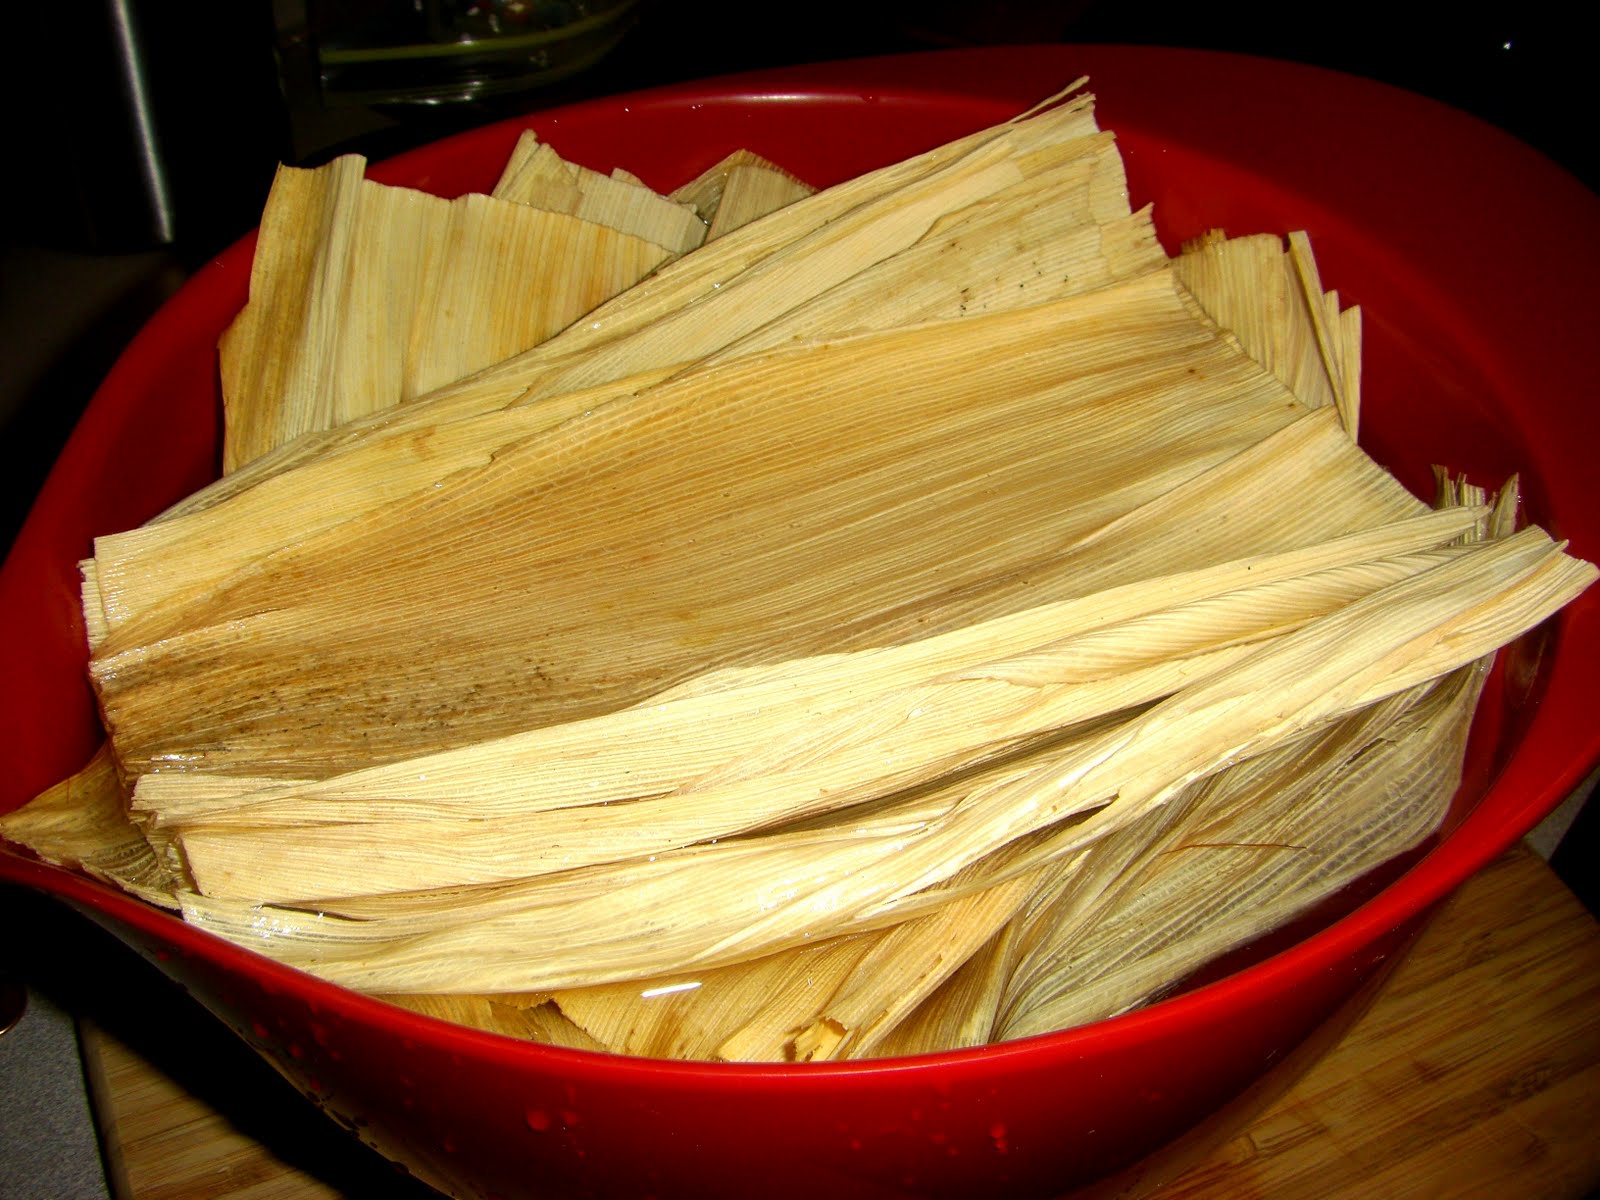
(364,295)
(960,495)
(537,176)
(145,567)
(917,617)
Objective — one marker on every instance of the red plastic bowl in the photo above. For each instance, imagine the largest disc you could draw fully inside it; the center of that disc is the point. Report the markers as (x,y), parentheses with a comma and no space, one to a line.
(1473,258)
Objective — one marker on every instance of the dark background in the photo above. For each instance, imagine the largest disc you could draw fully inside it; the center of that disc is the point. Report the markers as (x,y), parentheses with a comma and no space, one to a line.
(233,86)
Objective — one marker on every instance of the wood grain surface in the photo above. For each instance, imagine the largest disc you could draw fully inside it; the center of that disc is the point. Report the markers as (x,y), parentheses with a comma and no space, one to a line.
(1472,1070)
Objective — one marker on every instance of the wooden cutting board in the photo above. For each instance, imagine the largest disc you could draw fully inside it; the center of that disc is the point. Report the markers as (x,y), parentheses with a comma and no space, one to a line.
(1473,1070)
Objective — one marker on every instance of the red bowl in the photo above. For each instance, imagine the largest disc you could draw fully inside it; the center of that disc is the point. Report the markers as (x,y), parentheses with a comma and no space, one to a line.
(1473,258)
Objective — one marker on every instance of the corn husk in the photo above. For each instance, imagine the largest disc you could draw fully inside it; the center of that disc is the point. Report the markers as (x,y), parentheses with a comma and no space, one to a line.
(768,1009)
(524,619)
(671,913)
(1125,918)
(537,176)
(759,186)
(811,737)
(82,823)
(753,188)
(1079,243)
(363,295)
(854,224)
(993,708)
(526,1018)
(1275,305)
(1268,844)
(1063,230)
(1239,855)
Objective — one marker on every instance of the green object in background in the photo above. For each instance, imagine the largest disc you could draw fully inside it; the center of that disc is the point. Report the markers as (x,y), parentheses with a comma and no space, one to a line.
(444,52)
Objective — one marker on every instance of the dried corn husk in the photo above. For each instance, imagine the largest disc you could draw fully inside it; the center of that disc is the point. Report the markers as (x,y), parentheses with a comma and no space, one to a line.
(1063,230)
(526,1018)
(1264,846)
(1137,596)
(861,212)
(810,737)
(363,295)
(83,823)
(1258,290)
(1077,243)
(537,176)
(905,510)
(1296,827)
(767,1009)
(676,915)
(753,188)
(757,177)
(1224,860)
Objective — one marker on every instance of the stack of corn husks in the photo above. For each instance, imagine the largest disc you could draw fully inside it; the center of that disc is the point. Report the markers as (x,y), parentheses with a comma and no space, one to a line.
(920,615)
